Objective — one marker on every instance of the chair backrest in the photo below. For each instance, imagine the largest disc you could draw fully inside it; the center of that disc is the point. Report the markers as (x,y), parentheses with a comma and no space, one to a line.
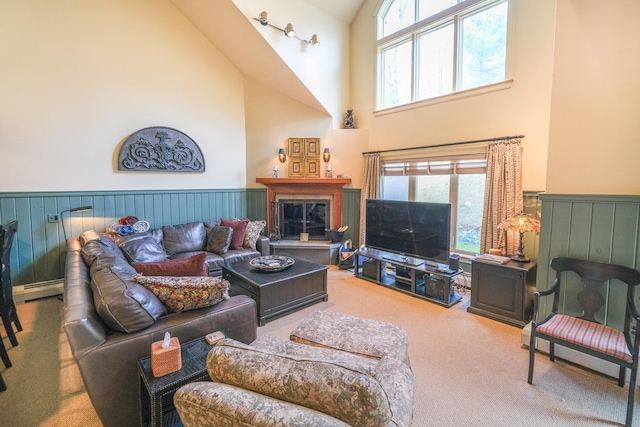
(593,275)
(6,239)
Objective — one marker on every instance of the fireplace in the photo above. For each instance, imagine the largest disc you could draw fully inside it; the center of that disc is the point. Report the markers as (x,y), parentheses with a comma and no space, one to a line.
(310,216)
(307,191)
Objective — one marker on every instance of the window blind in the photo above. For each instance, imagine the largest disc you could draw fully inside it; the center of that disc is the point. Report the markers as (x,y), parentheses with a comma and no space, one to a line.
(445,165)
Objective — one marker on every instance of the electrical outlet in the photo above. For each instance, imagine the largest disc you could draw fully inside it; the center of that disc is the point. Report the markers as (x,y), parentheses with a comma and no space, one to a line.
(53,218)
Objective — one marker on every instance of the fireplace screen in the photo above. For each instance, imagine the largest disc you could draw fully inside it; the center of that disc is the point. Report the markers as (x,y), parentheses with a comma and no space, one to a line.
(304,216)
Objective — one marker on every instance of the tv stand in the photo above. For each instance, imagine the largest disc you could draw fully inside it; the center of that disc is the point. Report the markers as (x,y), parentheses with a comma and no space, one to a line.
(403,259)
(421,280)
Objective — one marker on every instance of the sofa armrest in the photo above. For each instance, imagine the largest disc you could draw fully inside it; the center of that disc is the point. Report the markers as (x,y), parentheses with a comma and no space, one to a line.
(262,245)
(204,404)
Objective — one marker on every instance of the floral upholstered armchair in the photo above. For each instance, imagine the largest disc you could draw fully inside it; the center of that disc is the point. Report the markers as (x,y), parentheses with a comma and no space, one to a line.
(287,383)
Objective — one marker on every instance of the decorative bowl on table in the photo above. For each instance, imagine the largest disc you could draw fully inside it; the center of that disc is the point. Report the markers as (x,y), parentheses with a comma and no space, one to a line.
(272,262)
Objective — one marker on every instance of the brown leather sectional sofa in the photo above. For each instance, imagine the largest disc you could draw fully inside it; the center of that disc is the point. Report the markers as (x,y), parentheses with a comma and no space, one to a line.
(111,322)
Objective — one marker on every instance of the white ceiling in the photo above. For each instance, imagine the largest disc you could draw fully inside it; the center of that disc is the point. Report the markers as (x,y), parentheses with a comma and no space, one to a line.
(344,10)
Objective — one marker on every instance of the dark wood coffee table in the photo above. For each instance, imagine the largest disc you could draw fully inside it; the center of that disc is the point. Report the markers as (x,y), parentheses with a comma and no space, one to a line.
(281,292)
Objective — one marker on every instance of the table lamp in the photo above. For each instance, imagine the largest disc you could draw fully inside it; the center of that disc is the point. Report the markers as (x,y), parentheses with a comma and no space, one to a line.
(521,223)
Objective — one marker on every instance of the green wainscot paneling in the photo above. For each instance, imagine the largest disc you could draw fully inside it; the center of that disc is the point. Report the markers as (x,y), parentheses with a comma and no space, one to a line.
(351,214)
(604,228)
(38,252)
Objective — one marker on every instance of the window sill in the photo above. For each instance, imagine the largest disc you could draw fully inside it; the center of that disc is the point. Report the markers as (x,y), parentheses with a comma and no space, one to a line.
(446,98)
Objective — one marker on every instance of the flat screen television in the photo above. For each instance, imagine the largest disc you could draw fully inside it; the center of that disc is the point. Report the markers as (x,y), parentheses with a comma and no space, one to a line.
(409,229)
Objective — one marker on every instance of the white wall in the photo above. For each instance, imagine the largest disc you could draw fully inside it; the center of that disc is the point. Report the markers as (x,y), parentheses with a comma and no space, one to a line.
(594,135)
(324,70)
(523,109)
(79,77)
(273,118)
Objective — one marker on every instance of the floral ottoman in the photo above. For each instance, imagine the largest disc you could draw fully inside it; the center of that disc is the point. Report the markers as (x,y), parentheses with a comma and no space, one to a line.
(365,337)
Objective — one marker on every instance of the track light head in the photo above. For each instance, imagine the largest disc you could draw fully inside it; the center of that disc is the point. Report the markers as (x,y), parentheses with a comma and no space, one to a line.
(314,41)
(262,18)
(289,32)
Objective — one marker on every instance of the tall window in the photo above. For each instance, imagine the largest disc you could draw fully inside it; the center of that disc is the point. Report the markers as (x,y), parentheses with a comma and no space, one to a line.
(429,48)
(458,180)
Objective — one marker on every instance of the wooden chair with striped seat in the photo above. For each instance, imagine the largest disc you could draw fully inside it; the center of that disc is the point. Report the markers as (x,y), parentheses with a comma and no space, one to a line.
(583,332)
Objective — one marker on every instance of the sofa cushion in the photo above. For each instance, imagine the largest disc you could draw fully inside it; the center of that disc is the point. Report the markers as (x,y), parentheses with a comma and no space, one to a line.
(186,293)
(343,392)
(219,239)
(239,227)
(184,237)
(142,247)
(88,236)
(208,404)
(192,266)
(123,304)
(104,253)
(253,231)
(366,337)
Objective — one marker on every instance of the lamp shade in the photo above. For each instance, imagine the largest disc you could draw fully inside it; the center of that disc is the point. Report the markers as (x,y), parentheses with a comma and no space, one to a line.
(520,223)
(282,156)
(326,155)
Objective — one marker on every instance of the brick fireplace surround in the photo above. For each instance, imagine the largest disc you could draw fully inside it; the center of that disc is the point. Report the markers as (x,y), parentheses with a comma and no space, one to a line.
(307,186)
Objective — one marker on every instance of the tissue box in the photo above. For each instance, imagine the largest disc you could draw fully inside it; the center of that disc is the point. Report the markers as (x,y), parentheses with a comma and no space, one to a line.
(165,360)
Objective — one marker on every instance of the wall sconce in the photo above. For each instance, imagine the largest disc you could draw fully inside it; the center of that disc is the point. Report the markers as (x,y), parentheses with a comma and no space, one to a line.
(282,156)
(78,209)
(326,156)
(288,30)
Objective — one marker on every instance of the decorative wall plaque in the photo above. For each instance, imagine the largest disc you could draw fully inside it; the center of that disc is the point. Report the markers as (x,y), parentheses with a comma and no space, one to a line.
(160,149)
(304,157)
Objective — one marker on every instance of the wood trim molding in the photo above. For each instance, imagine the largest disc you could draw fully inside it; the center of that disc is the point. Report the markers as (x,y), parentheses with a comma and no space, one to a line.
(330,186)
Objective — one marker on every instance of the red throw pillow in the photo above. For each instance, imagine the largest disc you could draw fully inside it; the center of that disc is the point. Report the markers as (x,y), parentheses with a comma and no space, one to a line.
(192,266)
(239,227)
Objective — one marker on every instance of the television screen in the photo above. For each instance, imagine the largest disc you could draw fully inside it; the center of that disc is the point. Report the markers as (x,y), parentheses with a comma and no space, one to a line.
(415,229)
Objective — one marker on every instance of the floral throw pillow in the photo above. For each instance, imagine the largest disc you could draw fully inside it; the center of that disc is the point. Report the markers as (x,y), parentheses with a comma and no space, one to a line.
(186,293)
(251,235)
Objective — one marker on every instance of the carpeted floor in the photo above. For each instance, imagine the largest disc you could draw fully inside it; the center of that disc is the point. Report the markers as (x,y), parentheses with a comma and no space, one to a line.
(469,370)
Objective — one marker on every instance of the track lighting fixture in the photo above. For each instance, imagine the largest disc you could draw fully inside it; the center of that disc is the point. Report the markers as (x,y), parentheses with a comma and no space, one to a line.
(288,30)
(262,18)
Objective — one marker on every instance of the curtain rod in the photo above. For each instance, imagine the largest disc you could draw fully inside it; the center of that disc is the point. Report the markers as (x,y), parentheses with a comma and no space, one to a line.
(447,144)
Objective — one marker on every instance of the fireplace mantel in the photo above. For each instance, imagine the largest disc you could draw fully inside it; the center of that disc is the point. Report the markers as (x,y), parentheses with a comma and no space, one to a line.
(330,186)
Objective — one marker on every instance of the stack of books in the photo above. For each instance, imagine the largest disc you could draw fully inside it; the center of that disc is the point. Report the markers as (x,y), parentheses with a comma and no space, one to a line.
(493,258)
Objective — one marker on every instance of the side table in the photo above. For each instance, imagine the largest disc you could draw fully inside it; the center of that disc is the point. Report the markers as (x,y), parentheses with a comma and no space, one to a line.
(156,394)
(503,292)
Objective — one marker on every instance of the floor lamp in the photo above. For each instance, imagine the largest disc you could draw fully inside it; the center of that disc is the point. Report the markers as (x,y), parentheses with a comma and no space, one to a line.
(78,209)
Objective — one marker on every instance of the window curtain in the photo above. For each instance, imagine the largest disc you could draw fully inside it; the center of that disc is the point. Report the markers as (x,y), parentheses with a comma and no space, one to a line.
(503,194)
(370,185)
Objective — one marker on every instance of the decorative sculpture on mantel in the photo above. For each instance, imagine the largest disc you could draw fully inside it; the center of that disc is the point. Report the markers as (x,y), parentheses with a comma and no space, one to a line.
(141,153)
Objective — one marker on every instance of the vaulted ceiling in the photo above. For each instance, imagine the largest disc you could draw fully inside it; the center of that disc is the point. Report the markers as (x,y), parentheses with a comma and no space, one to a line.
(224,25)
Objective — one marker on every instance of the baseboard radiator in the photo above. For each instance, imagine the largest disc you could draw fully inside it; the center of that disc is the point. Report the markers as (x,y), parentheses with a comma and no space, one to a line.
(31,291)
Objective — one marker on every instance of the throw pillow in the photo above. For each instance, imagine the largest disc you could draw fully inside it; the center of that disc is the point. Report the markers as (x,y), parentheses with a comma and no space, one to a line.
(219,239)
(239,227)
(192,266)
(251,235)
(142,248)
(184,237)
(186,293)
